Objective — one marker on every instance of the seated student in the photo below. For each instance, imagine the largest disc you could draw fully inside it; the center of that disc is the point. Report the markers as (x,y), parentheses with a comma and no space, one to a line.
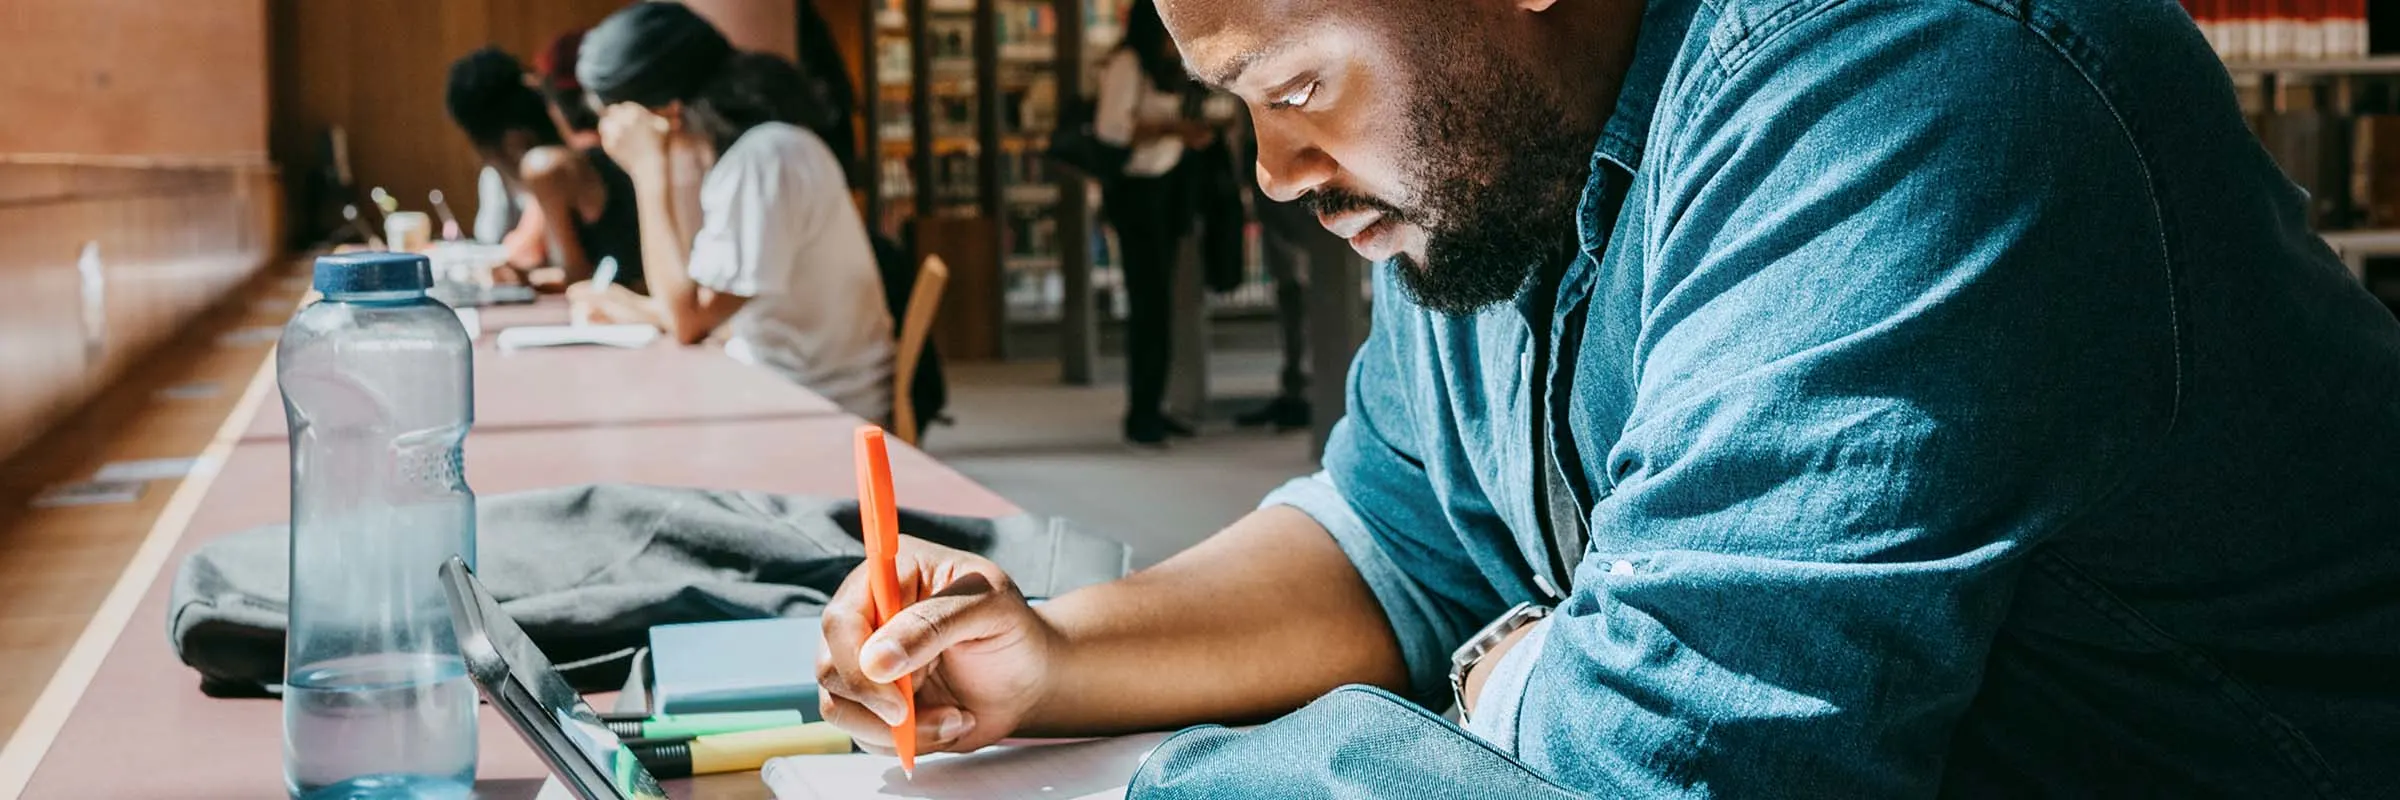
(581,177)
(513,132)
(779,258)
(487,99)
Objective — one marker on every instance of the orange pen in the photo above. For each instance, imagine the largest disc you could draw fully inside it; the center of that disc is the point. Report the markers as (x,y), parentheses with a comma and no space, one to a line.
(879,528)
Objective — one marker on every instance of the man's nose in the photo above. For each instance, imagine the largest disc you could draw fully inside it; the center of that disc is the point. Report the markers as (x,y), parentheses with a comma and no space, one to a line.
(1288,167)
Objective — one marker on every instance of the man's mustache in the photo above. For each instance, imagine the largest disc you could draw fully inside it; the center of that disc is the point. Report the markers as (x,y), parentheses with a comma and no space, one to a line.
(1335,202)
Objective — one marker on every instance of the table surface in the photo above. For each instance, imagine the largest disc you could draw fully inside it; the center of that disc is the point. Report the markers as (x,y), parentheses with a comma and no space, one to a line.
(665,415)
(571,387)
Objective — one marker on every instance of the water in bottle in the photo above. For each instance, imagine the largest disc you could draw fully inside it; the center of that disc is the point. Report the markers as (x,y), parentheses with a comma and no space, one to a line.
(378,388)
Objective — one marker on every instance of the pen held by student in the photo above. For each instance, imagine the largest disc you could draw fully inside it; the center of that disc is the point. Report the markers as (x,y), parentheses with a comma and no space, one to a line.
(879,528)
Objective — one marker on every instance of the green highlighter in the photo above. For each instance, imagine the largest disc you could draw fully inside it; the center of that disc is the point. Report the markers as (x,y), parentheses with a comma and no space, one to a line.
(686,726)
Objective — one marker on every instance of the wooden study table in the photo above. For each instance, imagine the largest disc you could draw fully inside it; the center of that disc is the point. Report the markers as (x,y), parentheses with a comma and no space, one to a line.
(125,719)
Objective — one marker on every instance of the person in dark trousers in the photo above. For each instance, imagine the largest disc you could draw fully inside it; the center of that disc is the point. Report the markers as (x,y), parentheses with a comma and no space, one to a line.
(1140,107)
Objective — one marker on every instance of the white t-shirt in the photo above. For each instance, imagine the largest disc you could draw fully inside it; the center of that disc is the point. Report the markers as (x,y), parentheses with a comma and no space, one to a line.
(1126,97)
(496,209)
(777,226)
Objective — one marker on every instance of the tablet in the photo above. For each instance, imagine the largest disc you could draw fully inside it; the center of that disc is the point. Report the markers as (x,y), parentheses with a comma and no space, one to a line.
(518,680)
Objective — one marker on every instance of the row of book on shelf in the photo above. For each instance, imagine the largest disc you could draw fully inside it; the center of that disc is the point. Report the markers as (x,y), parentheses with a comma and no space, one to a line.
(2282,30)
(1022,164)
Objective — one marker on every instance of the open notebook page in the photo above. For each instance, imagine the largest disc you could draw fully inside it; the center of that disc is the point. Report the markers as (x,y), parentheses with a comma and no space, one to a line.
(1095,769)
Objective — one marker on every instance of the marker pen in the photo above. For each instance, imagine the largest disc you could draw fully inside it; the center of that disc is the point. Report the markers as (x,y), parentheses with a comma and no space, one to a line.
(685,726)
(735,752)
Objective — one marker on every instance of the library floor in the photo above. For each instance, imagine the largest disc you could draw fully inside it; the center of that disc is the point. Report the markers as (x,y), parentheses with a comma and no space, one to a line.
(1053,449)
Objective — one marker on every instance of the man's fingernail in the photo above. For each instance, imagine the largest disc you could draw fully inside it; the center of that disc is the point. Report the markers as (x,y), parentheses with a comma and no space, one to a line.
(881,659)
(954,725)
(891,715)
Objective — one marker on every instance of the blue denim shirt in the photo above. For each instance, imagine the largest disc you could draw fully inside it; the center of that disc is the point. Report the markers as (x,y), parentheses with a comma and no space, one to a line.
(1960,404)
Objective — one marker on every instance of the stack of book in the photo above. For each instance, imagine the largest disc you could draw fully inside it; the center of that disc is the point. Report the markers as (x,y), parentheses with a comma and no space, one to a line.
(2283,30)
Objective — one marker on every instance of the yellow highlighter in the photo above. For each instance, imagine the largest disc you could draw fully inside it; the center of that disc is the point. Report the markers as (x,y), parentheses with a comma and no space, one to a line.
(736,752)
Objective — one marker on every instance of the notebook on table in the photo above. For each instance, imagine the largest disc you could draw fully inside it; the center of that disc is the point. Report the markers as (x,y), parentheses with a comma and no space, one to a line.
(1094,769)
(745,665)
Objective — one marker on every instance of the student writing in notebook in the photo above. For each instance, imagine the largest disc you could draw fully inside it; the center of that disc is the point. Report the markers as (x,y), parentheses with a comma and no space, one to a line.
(1851,398)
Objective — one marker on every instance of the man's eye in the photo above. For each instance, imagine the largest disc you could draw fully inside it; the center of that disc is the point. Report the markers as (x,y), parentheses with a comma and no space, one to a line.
(1297,97)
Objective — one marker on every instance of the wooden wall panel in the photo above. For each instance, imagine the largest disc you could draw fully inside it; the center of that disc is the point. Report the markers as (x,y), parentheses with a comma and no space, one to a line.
(171,241)
(173,80)
(378,68)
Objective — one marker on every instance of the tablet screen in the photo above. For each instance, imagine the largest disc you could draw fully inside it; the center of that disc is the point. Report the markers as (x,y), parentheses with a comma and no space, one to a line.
(563,707)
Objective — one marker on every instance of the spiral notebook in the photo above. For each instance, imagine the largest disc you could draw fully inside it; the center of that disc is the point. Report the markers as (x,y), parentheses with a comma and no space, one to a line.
(1091,769)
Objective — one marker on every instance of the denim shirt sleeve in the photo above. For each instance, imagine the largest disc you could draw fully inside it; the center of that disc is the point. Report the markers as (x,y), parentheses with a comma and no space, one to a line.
(1375,498)
(1905,314)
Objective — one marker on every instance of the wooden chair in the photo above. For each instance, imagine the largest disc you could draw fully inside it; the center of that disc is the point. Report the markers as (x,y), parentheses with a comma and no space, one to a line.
(923,302)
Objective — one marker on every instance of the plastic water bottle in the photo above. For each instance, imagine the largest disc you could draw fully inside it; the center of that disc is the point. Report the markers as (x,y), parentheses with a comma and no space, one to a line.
(378,387)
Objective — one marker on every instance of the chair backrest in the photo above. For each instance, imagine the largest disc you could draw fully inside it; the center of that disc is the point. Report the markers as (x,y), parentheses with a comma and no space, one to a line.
(923,303)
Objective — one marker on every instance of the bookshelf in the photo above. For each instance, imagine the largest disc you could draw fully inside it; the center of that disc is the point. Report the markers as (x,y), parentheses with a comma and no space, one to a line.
(2325,107)
(2356,246)
(962,96)
(2298,68)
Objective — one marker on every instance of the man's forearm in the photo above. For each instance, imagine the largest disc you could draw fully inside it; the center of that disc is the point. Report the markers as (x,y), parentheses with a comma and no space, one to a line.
(1254,622)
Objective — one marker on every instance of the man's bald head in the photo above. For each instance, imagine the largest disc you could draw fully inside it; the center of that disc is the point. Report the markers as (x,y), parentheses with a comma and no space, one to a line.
(1449,135)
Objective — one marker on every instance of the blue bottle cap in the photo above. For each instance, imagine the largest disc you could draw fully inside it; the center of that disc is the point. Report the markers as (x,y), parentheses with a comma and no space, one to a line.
(353,273)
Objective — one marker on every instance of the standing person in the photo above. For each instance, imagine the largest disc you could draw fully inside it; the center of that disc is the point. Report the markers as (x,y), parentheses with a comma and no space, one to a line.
(778,258)
(1765,398)
(1140,107)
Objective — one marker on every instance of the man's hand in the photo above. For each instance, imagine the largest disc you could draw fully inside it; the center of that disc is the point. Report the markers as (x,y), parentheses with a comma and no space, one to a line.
(981,656)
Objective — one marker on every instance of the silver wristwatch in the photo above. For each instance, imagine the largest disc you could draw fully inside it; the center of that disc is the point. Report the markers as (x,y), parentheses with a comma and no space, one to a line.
(1463,660)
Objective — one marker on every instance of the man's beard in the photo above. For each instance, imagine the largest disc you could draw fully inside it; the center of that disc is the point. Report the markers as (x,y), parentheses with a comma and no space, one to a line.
(1498,182)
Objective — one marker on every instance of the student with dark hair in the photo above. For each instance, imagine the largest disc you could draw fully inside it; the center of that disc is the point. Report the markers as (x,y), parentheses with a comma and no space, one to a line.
(779,263)
(580,177)
(487,98)
(1140,107)
(554,74)
(564,194)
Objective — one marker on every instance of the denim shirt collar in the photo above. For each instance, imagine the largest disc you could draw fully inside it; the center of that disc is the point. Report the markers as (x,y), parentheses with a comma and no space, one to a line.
(1665,23)
(1616,157)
